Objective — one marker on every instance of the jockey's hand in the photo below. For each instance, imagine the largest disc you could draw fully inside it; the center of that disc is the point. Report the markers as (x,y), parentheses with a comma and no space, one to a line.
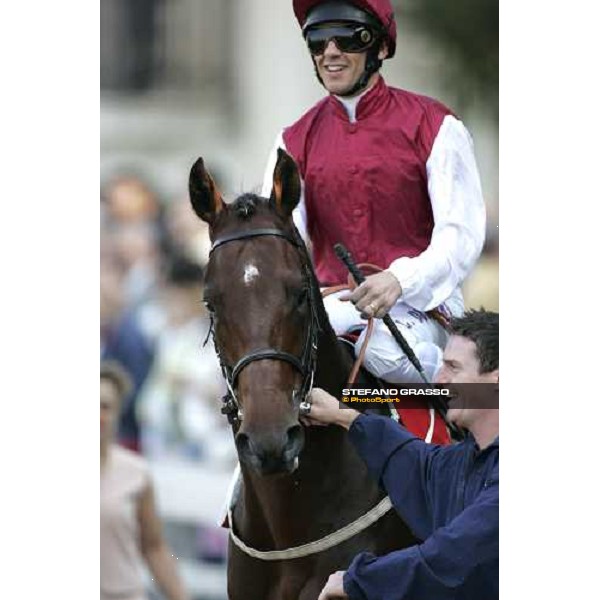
(334,588)
(376,295)
(327,410)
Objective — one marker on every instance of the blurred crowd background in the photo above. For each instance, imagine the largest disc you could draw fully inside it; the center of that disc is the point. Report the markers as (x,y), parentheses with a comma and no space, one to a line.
(219,79)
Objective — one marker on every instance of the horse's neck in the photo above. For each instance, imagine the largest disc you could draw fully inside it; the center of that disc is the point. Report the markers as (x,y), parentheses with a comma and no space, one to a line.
(333,368)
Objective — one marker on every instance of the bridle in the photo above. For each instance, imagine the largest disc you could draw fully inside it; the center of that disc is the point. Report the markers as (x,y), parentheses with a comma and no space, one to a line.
(305,365)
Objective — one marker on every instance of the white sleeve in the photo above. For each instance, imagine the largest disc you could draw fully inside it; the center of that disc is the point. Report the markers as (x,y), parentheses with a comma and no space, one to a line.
(458,234)
(299,214)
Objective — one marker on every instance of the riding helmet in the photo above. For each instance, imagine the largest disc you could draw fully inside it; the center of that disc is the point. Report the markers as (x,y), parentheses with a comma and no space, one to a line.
(377,14)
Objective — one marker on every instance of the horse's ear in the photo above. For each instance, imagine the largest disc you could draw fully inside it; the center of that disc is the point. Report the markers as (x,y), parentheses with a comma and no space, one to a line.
(286,184)
(205,197)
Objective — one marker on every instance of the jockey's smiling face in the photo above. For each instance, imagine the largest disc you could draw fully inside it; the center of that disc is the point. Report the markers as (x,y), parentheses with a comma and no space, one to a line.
(461,364)
(339,70)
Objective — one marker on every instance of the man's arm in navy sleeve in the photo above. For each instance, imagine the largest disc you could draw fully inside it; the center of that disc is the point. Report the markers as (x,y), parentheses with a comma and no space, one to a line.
(458,560)
(402,463)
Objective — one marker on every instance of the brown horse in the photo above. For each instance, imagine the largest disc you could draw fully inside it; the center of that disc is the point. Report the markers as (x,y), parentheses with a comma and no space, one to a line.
(273,337)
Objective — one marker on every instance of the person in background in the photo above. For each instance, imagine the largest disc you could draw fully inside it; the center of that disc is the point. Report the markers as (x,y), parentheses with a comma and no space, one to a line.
(129,198)
(183,233)
(130,282)
(130,530)
(180,401)
(124,340)
(132,216)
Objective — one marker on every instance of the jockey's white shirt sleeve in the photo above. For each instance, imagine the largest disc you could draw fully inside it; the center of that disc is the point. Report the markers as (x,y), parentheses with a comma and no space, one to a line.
(458,234)
(299,213)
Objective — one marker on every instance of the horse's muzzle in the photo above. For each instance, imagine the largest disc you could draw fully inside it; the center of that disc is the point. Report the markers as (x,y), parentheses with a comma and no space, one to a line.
(271,454)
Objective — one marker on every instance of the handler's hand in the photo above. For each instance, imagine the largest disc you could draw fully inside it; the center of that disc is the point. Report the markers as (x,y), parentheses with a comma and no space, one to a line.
(334,588)
(375,295)
(327,410)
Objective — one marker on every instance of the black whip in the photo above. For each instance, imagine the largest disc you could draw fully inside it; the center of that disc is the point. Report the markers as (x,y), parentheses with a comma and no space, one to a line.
(436,402)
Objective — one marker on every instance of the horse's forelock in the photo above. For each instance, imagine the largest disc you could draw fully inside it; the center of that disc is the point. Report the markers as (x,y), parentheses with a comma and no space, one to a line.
(245,206)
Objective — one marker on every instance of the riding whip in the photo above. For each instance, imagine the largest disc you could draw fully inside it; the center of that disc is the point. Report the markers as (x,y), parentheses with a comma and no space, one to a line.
(437,404)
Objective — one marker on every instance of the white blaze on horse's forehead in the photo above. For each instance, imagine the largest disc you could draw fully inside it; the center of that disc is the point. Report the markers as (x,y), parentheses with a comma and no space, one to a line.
(250,273)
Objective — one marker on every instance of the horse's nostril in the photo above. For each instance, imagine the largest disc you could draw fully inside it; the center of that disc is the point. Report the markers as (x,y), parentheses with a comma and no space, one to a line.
(242,441)
(295,432)
(295,441)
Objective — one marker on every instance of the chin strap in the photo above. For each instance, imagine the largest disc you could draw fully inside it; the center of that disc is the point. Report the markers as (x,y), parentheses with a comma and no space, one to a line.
(372,65)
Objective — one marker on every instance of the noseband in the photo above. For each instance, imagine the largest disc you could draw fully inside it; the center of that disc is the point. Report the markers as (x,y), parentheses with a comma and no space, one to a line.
(305,365)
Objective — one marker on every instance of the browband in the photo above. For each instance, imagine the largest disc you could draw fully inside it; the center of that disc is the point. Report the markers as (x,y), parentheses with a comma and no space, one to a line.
(232,237)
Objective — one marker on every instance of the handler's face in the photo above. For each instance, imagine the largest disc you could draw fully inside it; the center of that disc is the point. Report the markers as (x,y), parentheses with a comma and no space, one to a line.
(461,366)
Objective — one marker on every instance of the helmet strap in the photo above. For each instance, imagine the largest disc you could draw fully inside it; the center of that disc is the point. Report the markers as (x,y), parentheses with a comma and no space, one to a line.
(372,65)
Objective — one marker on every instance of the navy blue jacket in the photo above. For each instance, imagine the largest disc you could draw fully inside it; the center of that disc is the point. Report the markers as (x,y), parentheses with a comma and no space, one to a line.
(448,496)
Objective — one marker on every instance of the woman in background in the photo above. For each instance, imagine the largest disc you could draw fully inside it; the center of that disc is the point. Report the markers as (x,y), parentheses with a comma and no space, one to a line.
(130,531)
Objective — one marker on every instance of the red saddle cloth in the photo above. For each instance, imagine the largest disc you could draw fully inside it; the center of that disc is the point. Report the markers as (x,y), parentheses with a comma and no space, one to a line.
(414,413)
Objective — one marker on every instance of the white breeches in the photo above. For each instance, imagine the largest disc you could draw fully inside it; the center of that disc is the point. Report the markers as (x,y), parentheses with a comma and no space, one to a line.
(384,357)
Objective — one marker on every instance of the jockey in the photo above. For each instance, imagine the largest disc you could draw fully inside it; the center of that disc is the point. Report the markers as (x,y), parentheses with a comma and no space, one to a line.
(391,175)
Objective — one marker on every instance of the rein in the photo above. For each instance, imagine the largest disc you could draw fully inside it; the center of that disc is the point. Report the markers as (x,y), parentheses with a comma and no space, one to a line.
(351,285)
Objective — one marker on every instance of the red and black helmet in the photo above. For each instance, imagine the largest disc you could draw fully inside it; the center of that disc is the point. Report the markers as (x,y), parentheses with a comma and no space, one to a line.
(377,14)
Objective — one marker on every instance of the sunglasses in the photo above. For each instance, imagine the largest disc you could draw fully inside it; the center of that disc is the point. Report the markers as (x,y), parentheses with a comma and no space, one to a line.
(347,39)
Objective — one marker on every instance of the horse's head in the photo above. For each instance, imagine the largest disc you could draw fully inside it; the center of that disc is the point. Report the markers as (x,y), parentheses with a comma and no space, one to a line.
(260,292)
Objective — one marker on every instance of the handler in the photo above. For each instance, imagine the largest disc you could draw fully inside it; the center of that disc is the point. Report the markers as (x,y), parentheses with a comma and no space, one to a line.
(448,495)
